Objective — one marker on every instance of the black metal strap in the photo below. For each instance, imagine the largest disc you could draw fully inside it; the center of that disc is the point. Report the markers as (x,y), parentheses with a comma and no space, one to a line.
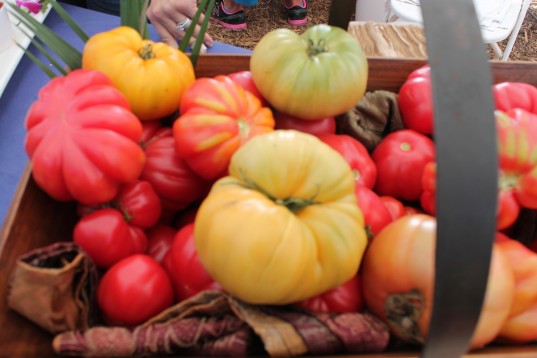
(341,13)
(467,158)
(465,137)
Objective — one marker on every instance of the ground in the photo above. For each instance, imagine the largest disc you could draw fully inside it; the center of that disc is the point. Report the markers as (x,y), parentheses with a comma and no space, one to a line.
(269,15)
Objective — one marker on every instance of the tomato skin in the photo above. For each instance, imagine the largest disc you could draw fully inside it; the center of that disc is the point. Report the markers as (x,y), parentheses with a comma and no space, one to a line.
(315,127)
(185,268)
(172,179)
(139,203)
(217,117)
(160,239)
(134,290)
(511,95)
(347,297)
(246,81)
(416,102)
(76,119)
(376,214)
(407,247)
(322,72)
(107,237)
(356,154)
(395,207)
(400,159)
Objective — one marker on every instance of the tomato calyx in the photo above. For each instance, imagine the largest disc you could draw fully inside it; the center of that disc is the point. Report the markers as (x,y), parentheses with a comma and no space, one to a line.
(508,180)
(403,311)
(295,205)
(146,52)
(315,48)
(244,128)
(405,147)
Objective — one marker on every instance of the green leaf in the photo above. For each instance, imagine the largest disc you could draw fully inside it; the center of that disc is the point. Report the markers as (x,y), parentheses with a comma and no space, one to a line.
(69,20)
(67,53)
(44,51)
(186,40)
(199,40)
(132,13)
(38,62)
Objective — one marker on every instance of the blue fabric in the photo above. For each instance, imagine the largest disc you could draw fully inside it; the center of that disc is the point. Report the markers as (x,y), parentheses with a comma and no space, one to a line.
(107,6)
(21,91)
(247,2)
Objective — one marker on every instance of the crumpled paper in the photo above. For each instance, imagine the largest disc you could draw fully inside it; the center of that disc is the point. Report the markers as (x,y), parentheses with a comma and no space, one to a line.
(54,287)
(374,117)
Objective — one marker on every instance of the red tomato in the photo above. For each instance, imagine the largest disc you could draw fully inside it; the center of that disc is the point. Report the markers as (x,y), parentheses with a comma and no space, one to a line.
(410,210)
(356,154)
(376,214)
(108,238)
(173,180)
(160,239)
(416,101)
(400,159)
(134,290)
(511,95)
(312,126)
(244,79)
(344,298)
(394,206)
(428,182)
(82,138)
(186,270)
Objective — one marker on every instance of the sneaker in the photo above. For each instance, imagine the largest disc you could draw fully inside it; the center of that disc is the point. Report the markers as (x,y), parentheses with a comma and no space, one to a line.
(298,14)
(231,20)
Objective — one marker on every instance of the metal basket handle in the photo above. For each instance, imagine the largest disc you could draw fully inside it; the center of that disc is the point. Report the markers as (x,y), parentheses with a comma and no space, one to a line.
(466,153)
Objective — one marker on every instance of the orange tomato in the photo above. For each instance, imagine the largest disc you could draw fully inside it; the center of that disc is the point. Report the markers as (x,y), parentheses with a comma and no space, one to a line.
(398,282)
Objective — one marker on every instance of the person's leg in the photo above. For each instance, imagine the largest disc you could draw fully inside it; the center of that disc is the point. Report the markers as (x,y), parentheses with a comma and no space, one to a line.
(230,14)
(297,12)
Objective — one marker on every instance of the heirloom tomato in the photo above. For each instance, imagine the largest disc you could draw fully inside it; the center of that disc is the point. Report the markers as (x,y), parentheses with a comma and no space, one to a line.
(400,159)
(134,290)
(188,275)
(356,154)
(316,127)
(318,74)
(284,225)
(521,325)
(75,120)
(398,282)
(174,182)
(394,206)
(152,75)
(217,117)
(107,237)
(511,95)
(344,298)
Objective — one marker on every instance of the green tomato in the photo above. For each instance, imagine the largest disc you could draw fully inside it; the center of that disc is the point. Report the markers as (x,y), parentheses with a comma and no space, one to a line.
(321,73)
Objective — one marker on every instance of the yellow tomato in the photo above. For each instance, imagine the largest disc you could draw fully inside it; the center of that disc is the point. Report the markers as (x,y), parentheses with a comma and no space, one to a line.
(152,75)
(285,224)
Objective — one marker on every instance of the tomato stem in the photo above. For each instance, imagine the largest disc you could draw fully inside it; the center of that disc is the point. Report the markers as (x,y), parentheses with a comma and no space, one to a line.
(316,48)
(146,52)
(403,312)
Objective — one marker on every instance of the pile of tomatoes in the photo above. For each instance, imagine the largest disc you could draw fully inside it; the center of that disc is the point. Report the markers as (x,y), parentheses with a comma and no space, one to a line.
(171,178)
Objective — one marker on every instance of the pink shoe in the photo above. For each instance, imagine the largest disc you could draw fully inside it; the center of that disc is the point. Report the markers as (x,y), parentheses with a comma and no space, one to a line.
(231,20)
(298,14)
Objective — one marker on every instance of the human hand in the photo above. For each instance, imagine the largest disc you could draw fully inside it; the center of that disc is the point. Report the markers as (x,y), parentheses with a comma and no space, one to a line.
(167,15)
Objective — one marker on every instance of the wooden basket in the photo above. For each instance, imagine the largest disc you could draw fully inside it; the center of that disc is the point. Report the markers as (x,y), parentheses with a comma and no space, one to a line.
(36,220)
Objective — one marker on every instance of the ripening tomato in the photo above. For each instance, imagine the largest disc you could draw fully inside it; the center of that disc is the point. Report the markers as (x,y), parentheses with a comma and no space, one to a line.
(394,206)
(245,80)
(320,73)
(398,271)
(134,290)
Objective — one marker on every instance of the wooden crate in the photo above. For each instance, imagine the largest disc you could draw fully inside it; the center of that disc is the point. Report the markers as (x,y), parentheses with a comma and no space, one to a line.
(35,220)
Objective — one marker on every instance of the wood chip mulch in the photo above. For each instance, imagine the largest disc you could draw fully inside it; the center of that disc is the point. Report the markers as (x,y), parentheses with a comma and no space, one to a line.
(268,15)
